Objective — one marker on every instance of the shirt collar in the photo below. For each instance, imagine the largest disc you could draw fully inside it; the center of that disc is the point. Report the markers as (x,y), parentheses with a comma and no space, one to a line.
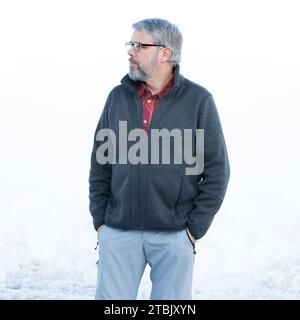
(141,88)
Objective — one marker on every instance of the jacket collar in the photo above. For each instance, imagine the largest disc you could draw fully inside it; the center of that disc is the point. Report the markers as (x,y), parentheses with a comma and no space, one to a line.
(131,85)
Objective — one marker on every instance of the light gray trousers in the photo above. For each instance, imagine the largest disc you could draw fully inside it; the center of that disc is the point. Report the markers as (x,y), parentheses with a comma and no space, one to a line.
(124,254)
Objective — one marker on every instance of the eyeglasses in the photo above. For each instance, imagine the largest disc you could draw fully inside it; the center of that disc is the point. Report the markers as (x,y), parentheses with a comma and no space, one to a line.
(137,46)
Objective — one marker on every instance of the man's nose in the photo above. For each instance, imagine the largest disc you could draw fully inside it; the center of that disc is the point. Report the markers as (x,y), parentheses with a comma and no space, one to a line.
(131,52)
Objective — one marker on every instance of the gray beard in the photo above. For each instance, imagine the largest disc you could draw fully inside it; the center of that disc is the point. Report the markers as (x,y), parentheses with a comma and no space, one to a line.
(137,75)
(141,74)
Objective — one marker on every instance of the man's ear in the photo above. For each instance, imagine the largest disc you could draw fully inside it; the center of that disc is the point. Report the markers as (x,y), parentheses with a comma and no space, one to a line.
(166,55)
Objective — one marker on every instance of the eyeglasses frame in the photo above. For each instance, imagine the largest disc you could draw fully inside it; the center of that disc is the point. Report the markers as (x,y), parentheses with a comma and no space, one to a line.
(141,45)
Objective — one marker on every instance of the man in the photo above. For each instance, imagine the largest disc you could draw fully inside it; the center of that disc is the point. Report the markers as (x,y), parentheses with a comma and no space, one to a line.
(149,212)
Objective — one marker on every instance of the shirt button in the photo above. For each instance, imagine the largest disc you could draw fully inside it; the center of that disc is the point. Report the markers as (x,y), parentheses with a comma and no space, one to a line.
(149,101)
(145,121)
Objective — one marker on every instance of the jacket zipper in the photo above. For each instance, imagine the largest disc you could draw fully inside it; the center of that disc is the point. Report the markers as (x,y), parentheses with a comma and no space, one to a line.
(139,199)
(139,210)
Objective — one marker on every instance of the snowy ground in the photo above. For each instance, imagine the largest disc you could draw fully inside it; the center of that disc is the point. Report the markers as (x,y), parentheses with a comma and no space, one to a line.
(75,279)
(55,264)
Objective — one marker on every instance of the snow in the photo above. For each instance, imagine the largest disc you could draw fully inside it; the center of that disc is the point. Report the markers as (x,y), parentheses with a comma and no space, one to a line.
(50,104)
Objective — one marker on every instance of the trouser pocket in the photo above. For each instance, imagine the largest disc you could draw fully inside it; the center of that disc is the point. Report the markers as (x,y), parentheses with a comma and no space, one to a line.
(194,251)
(97,244)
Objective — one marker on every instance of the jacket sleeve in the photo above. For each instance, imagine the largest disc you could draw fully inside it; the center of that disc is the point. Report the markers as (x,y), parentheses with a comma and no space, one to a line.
(99,177)
(213,180)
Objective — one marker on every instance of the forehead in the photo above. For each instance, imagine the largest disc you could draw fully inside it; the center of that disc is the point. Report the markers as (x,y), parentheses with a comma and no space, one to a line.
(141,36)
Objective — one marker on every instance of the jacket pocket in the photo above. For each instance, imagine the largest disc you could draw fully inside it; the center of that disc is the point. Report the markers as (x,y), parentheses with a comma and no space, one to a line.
(185,200)
(110,206)
(176,219)
(162,193)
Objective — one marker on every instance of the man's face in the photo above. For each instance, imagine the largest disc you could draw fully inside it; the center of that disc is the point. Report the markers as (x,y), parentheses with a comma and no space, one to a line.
(145,61)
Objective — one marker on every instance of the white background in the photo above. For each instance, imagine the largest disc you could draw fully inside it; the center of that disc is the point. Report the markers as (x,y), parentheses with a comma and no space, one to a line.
(58,62)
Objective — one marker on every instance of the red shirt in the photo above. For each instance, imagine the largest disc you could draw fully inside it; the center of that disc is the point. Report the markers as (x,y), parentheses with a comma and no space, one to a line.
(150,102)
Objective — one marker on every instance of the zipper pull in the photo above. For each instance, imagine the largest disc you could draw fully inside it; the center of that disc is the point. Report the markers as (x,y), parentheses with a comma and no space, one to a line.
(194,250)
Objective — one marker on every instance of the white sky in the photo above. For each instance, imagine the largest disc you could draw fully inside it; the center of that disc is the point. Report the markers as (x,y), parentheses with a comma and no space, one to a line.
(87,31)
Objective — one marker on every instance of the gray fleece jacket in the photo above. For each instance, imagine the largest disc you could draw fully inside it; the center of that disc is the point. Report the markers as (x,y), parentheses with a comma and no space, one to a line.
(159,196)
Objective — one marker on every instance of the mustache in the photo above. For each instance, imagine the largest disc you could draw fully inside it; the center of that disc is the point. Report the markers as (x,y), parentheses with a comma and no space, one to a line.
(132,61)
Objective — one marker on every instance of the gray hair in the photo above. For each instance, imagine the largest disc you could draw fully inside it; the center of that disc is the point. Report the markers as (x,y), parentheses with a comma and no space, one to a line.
(163,32)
